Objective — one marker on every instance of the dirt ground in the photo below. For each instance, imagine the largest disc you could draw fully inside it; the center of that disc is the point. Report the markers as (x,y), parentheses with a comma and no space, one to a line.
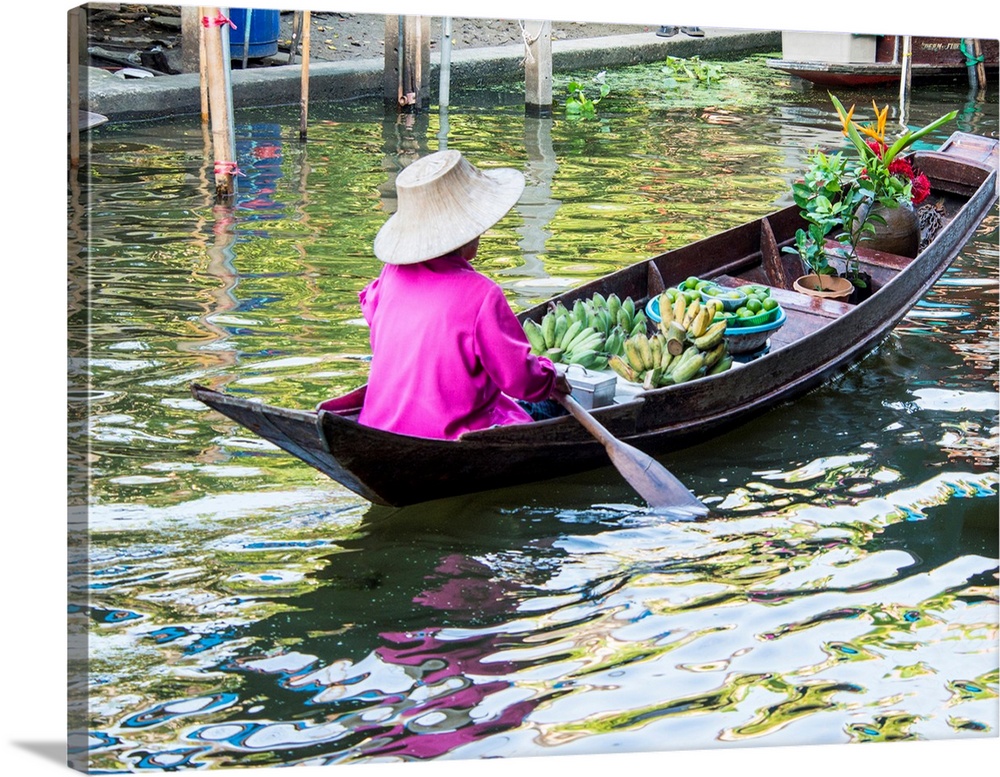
(150,35)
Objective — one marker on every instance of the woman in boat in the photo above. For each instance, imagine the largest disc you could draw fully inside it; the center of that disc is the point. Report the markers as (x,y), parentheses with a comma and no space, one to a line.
(448,354)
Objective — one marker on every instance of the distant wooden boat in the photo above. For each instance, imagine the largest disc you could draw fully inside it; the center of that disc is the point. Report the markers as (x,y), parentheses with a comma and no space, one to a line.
(87,120)
(932,59)
(818,339)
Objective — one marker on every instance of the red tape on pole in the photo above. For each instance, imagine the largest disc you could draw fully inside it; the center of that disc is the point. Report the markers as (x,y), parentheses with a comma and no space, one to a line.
(227,168)
(218,21)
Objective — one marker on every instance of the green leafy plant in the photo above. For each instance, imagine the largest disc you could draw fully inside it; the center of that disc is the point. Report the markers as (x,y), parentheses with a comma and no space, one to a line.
(693,69)
(579,105)
(880,173)
(836,194)
(818,195)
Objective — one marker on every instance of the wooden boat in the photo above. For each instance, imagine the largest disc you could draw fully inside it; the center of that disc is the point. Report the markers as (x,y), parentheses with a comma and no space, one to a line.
(818,339)
(933,59)
(86,121)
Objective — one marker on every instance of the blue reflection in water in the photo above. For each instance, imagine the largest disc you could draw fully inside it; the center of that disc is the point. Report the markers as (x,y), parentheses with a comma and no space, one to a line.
(843,589)
(167,711)
(259,151)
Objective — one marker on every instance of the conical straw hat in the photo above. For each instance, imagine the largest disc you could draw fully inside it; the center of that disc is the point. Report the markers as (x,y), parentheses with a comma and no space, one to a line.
(443,203)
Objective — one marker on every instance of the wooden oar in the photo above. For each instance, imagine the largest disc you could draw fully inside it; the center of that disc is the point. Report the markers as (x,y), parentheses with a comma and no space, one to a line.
(653,482)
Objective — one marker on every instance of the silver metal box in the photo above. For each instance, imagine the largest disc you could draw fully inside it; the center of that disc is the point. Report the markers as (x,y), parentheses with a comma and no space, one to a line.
(592,389)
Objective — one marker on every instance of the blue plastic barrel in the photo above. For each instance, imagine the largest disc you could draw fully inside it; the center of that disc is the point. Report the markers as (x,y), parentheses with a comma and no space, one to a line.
(264,27)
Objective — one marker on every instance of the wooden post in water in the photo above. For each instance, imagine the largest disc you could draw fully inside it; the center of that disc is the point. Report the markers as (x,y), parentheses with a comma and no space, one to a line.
(411,63)
(976,66)
(75,24)
(220,101)
(407,61)
(391,85)
(537,68)
(191,38)
(304,100)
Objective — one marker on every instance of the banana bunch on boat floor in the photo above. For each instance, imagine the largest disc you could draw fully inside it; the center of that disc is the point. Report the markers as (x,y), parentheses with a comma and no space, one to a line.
(689,344)
(589,333)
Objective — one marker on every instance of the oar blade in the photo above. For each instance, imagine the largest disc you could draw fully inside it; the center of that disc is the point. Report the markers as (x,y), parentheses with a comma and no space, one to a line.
(646,475)
(654,482)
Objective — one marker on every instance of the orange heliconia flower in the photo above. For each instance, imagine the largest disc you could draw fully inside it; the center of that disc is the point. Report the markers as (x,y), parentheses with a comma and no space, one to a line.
(878,131)
(845,119)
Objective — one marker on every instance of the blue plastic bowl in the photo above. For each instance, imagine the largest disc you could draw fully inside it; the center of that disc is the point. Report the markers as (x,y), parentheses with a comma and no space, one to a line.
(653,309)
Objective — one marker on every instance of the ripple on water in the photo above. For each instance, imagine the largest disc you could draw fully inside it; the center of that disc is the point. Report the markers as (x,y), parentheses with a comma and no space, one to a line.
(241,610)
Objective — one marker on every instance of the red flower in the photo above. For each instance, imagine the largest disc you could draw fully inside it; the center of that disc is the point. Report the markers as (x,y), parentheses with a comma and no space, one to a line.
(877,147)
(902,168)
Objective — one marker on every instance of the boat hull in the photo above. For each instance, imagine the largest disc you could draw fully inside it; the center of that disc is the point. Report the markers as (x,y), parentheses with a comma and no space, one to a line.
(820,338)
(933,59)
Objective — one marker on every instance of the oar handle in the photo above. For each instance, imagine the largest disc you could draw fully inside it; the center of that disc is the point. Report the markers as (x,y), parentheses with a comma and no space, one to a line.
(586,420)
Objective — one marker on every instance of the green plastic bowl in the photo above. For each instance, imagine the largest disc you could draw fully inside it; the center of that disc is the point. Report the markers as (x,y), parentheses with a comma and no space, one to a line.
(756,320)
(727,304)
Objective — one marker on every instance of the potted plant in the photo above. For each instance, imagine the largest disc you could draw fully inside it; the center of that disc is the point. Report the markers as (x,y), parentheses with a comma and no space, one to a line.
(887,185)
(871,201)
(820,195)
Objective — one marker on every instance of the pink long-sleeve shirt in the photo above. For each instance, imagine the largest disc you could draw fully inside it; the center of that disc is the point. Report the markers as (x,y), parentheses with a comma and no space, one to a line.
(448,354)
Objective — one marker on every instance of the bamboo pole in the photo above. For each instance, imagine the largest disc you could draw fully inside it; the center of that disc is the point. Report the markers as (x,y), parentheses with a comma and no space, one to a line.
(227,76)
(220,103)
(202,67)
(444,91)
(246,37)
(905,80)
(304,101)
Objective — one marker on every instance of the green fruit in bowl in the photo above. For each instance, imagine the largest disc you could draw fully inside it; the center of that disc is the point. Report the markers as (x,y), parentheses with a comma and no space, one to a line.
(769,303)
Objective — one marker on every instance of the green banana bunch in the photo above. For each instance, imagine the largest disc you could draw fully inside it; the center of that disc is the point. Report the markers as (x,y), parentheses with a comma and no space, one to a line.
(667,358)
(588,333)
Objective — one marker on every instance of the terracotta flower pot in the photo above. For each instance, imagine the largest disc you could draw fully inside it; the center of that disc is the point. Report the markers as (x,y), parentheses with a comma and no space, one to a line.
(824,286)
(899,235)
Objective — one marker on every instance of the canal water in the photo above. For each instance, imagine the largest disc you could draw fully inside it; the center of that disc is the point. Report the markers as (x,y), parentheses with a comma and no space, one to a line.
(232,607)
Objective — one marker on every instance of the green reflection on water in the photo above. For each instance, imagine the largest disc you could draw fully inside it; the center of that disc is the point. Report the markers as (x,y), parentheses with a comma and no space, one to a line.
(261,300)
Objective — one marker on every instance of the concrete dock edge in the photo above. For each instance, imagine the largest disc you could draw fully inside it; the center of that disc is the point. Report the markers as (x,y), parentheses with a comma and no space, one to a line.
(146,98)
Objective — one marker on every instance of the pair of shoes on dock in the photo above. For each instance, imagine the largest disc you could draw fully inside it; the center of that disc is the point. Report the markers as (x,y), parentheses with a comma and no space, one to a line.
(669,31)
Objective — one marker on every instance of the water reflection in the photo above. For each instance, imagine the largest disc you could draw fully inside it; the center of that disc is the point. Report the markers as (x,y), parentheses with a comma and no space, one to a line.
(596,629)
(537,207)
(241,609)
